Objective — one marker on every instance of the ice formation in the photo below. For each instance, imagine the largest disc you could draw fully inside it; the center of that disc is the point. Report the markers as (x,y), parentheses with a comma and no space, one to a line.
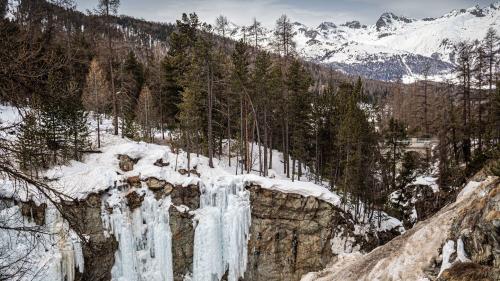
(222,231)
(448,250)
(144,238)
(54,252)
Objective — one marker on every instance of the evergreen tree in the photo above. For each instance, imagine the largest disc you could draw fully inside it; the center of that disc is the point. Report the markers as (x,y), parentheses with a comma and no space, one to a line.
(298,83)
(240,85)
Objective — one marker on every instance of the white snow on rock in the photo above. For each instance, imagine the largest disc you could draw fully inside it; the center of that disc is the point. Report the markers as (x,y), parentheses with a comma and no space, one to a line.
(221,223)
(54,250)
(408,256)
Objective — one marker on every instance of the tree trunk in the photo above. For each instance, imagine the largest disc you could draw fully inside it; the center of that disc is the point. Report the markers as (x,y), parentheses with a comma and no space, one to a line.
(210,133)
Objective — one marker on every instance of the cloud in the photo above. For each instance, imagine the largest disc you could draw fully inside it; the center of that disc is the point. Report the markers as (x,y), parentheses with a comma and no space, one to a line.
(311,12)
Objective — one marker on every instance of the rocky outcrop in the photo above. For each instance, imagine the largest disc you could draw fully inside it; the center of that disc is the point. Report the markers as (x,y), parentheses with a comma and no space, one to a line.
(134,200)
(33,211)
(470,271)
(98,249)
(134,181)
(290,234)
(183,199)
(181,226)
(479,229)
(419,253)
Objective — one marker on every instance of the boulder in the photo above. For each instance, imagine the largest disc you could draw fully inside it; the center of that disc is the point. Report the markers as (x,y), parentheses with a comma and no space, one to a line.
(134,181)
(134,200)
(155,184)
(160,163)
(126,163)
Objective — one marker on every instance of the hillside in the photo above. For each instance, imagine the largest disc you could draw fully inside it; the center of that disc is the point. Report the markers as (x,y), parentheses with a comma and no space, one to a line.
(457,243)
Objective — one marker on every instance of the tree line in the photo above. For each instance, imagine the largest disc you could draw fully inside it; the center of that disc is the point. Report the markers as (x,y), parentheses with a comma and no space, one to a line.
(237,101)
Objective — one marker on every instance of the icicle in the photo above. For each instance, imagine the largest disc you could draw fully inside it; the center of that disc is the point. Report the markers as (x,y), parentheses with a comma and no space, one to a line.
(144,240)
(461,255)
(222,232)
(448,250)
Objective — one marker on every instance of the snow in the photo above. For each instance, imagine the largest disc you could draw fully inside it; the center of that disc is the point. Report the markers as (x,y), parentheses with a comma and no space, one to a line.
(469,188)
(461,255)
(427,180)
(222,223)
(397,41)
(54,251)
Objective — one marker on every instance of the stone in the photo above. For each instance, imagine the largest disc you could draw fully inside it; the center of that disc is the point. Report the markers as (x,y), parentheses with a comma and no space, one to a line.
(194,172)
(183,171)
(160,163)
(181,227)
(84,216)
(155,184)
(134,200)
(134,181)
(126,163)
(470,271)
(188,196)
(34,212)
(479,228)
(289,235)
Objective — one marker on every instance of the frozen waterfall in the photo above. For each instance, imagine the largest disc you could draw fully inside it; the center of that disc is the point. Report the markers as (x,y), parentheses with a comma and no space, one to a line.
(222,231)
(144,239)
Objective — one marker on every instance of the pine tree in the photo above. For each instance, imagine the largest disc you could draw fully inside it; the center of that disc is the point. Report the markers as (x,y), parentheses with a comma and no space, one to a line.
(240,84)
(298,83)
(30,145)
(395,137)
(170,91)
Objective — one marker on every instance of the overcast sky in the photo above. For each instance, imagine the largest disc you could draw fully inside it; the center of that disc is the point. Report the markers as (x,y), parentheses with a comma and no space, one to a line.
(309,12)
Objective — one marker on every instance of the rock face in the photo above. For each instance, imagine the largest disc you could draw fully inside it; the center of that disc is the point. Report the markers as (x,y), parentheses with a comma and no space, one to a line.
(479,228)
(290,234)
(99,249)
(181,226)
(32,211)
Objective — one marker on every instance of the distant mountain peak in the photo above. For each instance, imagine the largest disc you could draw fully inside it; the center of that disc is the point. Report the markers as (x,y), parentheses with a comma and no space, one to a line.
(353,24)
(326,25)
(388,18)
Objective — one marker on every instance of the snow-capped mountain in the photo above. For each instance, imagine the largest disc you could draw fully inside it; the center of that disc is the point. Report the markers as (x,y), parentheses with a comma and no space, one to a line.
(395,46)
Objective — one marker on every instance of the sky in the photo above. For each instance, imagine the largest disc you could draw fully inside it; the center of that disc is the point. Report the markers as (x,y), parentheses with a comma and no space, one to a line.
(308,12)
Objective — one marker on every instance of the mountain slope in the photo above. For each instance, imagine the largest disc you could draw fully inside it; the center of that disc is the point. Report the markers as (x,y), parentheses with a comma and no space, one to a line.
(395,46)
(429,250)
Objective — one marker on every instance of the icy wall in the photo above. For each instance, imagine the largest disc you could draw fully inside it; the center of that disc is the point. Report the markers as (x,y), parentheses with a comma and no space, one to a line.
(144,238)
(222,224)
(222,231)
